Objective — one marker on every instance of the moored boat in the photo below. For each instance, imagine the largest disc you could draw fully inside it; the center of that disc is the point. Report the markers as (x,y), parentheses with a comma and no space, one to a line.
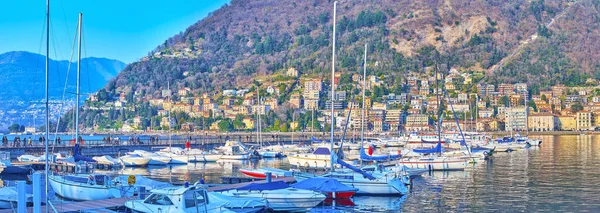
(88,187)
(134,160)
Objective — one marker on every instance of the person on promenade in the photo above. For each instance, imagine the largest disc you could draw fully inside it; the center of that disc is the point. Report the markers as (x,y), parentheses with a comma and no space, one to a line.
(58,141)
(29,141)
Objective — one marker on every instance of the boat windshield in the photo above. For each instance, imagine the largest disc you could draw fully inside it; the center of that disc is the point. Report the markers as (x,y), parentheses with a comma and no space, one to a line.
(157,199)
(193,198)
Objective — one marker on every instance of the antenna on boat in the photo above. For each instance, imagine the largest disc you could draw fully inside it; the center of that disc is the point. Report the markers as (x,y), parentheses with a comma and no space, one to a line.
(362,119)
(332,87)
(47,97)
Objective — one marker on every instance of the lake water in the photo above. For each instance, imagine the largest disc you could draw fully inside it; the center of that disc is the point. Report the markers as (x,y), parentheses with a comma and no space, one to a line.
(563,175)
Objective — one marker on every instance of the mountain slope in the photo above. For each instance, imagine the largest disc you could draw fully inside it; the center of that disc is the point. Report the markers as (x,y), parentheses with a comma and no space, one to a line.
(539,42)
(22,77)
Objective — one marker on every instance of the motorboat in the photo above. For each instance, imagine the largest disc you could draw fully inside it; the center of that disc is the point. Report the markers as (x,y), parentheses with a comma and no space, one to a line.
(197,155)
(320,158)
(280,196)
(106,160)
(134,160)
(235,150)
(29,158)
(88,187)
(177,155)
(8,198)
(193,199)
(434,163)
(262,173)
(155,159)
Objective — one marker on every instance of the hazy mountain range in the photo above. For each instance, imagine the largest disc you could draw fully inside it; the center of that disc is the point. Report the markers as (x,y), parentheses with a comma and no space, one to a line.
(22,76)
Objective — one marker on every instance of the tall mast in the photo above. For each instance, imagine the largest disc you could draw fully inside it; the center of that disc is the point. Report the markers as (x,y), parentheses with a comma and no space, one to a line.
(258,115)
(47,97)
(438,114)
(332,86)
(362,118)
(78,80)
(169,100)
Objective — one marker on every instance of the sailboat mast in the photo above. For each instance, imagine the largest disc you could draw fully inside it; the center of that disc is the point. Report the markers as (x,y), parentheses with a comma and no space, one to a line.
(362,117)
(169,100)
(47,97)
(78,81)
(332,86)
(438,114)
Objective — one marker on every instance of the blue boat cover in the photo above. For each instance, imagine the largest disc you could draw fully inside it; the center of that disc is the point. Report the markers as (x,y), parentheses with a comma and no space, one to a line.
(365,157)
(265,186)
(505,140)
(78,157)
(321,184)
(322,151)
(314,140)
(435,149)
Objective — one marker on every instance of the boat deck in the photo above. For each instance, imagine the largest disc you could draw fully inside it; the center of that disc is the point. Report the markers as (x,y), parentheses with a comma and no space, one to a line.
(238,185)
(82,206)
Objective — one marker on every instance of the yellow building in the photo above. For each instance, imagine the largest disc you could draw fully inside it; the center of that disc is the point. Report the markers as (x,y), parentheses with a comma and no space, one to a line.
(249,123)
(541,122)
(584,120)
(567,122)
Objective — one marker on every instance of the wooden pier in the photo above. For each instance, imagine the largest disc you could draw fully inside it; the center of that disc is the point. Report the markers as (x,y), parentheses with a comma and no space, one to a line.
(87,206)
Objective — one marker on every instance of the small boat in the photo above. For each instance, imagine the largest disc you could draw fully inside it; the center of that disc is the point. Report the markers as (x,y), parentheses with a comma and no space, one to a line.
(6,166)
(235,150)
(106,160)
(88,187)
(269,154)
(134,160)
(193,199)
(177,155)
(29,158)
(261,173)
(320,158)
(196,155)
(8,198)
(155,159)
(280,196)
(329,186)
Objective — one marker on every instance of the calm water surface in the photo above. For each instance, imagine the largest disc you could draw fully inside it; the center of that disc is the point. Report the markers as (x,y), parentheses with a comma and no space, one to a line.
(562,175)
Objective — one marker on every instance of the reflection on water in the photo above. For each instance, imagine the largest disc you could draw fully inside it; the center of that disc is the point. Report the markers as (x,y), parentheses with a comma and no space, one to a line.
(561,175)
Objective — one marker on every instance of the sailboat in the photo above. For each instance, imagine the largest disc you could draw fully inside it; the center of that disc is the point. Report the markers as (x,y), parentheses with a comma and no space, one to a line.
(84,186)
(380,183)
(177,155)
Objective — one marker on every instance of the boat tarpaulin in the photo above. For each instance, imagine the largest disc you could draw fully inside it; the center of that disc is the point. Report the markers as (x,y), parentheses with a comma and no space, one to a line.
(321,184)
(435,149)
(265,186)
(314,140)
(140,180)
(78,157)
(365,157)
(322,151)
(8,194)
(236,203)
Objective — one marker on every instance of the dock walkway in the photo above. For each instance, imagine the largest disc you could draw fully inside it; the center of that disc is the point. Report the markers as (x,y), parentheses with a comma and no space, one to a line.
(82,206)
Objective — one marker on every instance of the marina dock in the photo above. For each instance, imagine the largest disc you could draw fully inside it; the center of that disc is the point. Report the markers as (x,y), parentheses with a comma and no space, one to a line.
(87,206)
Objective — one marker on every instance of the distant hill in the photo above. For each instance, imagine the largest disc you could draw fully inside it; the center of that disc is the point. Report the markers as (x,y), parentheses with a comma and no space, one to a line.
(541,42)
(538,42)
(22,76)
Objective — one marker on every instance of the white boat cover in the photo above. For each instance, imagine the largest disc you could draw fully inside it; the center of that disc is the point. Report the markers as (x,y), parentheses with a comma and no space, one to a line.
(140,180)
(236,203)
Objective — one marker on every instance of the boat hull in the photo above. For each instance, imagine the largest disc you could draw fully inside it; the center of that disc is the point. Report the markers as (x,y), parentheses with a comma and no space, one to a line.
(288,199)
(205,158)
(309,161)
(435,164)
(235,157)
(135,161)
(80,191)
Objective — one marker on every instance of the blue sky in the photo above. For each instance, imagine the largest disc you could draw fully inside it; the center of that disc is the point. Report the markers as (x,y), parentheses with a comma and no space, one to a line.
(118,29)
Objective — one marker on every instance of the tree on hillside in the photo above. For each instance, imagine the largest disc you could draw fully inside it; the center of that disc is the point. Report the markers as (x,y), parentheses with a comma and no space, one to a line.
(225,125)
(15,128)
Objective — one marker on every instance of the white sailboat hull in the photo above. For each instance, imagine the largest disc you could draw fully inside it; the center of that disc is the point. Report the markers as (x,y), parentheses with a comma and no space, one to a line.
(82,191)
(310,160)
(379,186)
(235,157)
(205,158)
(435,164)
(135,161)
